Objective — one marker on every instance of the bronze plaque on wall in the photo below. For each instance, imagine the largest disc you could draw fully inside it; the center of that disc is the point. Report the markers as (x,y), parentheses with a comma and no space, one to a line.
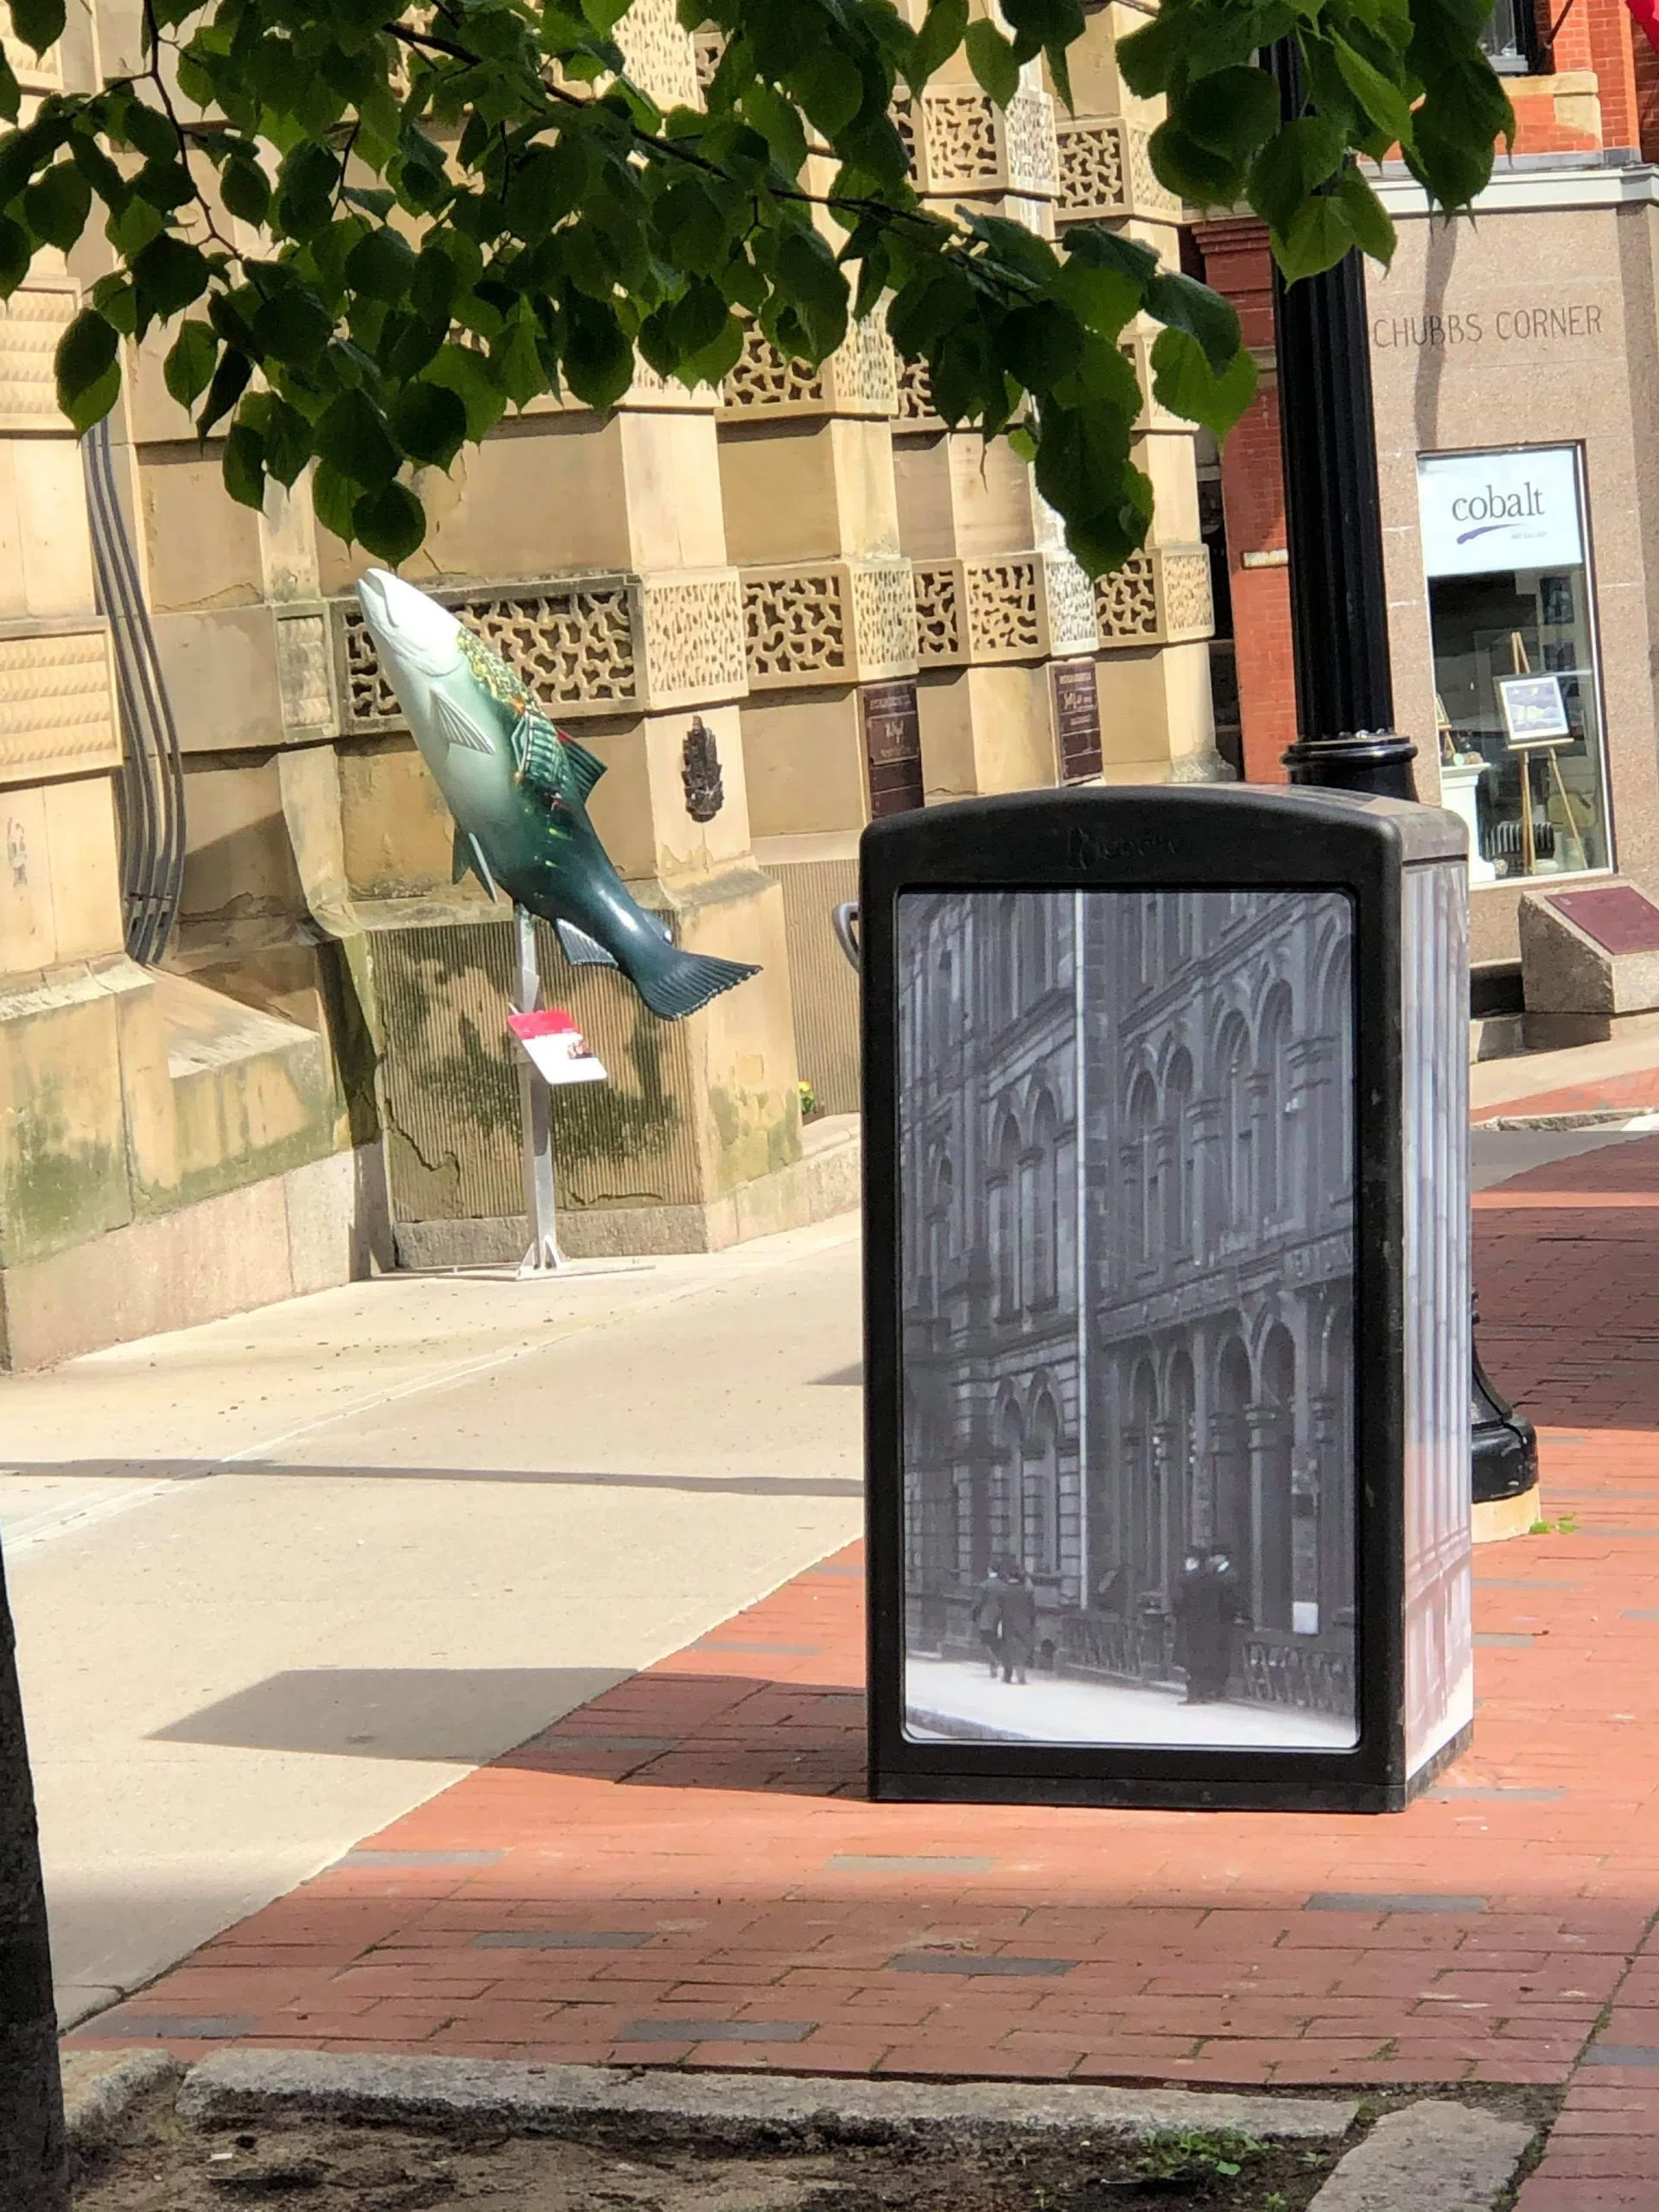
(1077,718)
(893,746)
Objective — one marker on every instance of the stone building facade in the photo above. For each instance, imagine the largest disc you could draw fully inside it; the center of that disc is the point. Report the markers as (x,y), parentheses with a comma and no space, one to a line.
(1099,1389)
(773,611)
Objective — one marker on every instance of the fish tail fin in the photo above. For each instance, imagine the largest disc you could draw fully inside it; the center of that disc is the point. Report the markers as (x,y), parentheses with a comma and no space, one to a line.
(680,982)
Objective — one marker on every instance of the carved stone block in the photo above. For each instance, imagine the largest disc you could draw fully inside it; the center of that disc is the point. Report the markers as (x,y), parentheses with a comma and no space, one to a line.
(659,57)
(828,622)
(57,704)
(941,614)
(913,407)
(1106,173)
(860,377)
(1034,605)
(35,72)
(961,142)
(305,670)
(31,322)
(1160,596)
(584,645)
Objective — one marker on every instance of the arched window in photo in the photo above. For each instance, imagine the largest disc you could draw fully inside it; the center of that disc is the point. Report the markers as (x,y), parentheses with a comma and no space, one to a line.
(1333,1172)
(1144,1458)
(1042,1473)
(940,1224)
(1142,1210)
(1274,1509)
(1182,1195)
(1045,1225)
(1008,1519)
(1005,1240)
(1237,1133)
(1277,1165)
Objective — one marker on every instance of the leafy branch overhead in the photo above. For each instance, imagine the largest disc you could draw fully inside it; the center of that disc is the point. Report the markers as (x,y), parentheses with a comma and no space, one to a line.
(366,231)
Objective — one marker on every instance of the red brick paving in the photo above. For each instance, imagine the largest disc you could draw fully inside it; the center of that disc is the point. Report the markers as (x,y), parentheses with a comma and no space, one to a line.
(1637,1090)
(704,1824)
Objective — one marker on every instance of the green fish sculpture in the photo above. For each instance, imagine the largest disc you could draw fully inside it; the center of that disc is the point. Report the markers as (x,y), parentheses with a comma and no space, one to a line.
(517,788)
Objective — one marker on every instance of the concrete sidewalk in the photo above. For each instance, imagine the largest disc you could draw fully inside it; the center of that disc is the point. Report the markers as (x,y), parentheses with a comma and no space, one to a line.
(280,1579)
(684,1871)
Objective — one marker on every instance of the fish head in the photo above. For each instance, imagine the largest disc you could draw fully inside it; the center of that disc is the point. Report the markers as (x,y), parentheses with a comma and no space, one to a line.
(418,644)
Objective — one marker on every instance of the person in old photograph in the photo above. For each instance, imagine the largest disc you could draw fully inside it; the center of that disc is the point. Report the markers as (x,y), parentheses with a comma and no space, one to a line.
(1208,1606)
(1126,1162)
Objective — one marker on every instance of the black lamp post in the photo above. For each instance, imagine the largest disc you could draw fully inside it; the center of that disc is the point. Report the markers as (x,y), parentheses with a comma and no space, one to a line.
(1345,690)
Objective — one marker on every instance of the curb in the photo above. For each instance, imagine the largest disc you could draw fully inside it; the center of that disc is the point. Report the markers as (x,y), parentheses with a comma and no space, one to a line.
(1590,1117)
(1434,2157)
(100,2087)
(730,2109)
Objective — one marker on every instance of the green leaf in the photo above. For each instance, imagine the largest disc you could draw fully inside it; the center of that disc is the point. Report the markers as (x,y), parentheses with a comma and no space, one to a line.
(56,206)
(11,98)
(467,373)
(1040,344)
(39,23)
(1372,225)
(134,223)
(430,422)
(828,86)
(381,265)
(1147,58)
(243,465)
(334,499)
(1385,102)
(1231,111)
(87,369)
(170,275)
(245,189)
(991,57)
(230,382)
(546,186)
(778,122)
(189,363)
(1192,171)
(1184,381)
(944,27)
(598,358)
(351,437)
(519,363)
(1292,165)
(17,254)
(1320,233)
(1186,305)
(390,522)
(288,443)
(294,329)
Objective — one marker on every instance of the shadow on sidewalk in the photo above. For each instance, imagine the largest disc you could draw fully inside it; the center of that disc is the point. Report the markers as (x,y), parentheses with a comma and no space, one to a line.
(668,1730)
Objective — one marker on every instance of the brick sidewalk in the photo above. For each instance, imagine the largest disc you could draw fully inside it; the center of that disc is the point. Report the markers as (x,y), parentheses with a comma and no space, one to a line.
(685,1871)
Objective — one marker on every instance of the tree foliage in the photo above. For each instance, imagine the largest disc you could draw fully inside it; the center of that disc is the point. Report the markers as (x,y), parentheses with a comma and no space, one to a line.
(368,230)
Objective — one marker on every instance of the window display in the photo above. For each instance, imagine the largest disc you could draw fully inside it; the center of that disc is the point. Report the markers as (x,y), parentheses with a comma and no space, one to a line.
(1517,692)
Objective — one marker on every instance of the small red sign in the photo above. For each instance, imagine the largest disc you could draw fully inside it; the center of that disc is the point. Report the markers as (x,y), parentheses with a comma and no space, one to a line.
(554,1047)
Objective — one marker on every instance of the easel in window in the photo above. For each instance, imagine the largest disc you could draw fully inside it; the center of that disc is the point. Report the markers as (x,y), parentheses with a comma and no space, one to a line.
(1523,666)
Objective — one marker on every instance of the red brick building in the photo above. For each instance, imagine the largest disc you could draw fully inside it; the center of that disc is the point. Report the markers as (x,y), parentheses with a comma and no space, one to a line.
(1516,366)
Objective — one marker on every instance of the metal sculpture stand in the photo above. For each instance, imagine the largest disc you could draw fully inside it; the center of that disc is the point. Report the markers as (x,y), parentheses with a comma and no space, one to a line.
(534,1120)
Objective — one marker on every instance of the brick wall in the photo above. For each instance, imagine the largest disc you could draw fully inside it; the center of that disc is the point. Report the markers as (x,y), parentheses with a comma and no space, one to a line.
(1237,262)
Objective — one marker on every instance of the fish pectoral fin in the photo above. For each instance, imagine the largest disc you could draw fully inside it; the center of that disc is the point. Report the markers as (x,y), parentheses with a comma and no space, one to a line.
(552,761)
(581,950)
(469,856)
(458,728)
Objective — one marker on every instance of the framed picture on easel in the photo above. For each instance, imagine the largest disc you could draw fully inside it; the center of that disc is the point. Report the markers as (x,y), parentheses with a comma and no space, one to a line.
(1534,712)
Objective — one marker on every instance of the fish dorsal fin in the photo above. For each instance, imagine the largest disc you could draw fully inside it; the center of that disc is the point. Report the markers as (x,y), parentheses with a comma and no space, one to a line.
(581,950)
(458,728)
(469,854)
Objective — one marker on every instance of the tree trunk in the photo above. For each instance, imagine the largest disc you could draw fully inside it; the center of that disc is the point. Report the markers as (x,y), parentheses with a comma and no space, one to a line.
(33,2159)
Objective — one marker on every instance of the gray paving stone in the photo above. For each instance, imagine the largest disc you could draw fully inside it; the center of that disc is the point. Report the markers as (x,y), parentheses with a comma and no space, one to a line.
(965,1962)
(723,2107)
(671,2031)
(1432,2156)
(1390,1901)
(560,1939)
(101,2086)
(909,1862)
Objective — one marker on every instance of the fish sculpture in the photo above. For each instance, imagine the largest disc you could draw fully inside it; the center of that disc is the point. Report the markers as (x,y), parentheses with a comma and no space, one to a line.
(517,789)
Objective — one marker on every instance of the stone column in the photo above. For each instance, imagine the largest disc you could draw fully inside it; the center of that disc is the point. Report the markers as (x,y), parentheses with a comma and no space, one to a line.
(1005,628)
(1154,614)
(830,725)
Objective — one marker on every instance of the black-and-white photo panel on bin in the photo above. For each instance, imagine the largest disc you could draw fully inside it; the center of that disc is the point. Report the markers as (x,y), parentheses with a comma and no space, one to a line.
(1167,1298)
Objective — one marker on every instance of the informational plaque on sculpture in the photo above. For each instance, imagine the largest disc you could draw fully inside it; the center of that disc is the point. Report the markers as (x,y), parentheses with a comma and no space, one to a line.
(1127,1270)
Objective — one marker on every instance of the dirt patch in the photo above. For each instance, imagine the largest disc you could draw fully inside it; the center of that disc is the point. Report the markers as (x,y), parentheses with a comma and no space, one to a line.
(153,2162)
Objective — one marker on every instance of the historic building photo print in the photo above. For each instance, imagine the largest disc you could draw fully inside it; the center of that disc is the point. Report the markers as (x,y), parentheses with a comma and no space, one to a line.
(1128,1190)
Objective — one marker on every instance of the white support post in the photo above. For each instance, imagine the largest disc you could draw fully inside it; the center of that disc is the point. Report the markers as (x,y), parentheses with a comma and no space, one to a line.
(535,1101)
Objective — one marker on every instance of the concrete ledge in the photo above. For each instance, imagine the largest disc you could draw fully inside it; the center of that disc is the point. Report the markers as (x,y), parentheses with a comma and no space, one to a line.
(101,2086)
(827,1179)
(728,2108)
(1434,2157)
(280,1238)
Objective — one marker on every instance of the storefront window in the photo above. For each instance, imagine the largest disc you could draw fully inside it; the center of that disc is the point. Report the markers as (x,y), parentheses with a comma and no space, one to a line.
(1512,623)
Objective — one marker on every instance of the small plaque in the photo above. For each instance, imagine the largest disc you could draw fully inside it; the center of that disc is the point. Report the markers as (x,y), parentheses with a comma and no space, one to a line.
(1619,919)
(893,746)
(554,1047)
(1535,713)
(1077,718)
